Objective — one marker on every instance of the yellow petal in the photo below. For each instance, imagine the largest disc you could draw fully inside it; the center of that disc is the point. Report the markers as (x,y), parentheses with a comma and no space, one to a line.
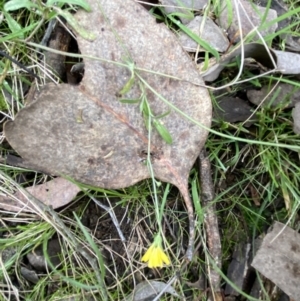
(159,258)
(165,258)
(148,254)
(155,261)
(152,263)
(162,257)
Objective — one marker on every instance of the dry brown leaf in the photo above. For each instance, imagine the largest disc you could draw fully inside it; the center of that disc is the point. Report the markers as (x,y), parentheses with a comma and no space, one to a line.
(286,62)
(238,268)
(287,95)
(85,132)
(57,192)
(233,109)
(253,50)
(278,259)
(150,289)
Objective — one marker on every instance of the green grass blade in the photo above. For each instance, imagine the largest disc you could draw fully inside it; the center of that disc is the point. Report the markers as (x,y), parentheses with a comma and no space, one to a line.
(127,86)
(18,4)
(93,245)
(74,24)
(162,130)
(80,3)
(13,25)
(195,37)
(129,101)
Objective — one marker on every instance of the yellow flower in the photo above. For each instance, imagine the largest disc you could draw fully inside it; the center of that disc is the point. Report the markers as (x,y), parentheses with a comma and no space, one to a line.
(155,256)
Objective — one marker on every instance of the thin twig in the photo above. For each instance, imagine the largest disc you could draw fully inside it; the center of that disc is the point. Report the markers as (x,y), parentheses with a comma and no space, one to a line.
(112,216)
(4,54)
(48,33)
(211,224)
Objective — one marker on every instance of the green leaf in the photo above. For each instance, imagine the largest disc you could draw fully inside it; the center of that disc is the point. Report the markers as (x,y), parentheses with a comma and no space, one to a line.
(74,24)
(14,35)
(206,61)
(145,108)
(130,101)
(80,3)
(127,86)
(13,25)
(17,4)
(197,204)
(162,115)
(8,88)
(183,15)
(162,130)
